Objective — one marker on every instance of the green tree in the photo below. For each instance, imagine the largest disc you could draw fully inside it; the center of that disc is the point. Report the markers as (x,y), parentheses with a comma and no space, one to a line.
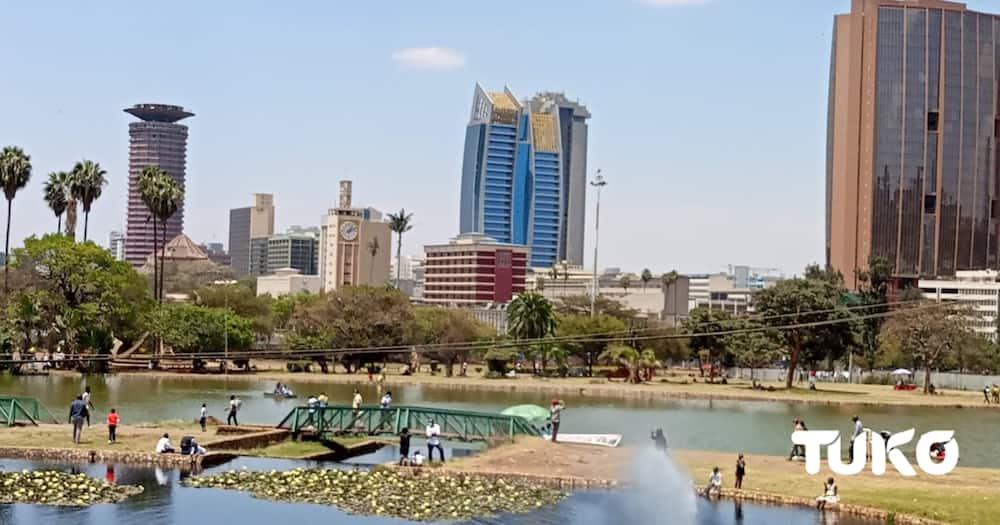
(283,307)
(874,295)
(531,316)
(646,277)
(242,301)
(598,331)
(400,223)
(669,278)
(87,181)
(353,317)
(753,347)
(448,326)
(57,195)
(15,171)
(580,305)
(85,295)
(927,336)
(793,307)
(704,325)
(373,249)
(630,358)
(190,328)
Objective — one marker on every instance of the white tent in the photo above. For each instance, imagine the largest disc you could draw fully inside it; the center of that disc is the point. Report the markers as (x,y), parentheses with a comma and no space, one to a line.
(901,372)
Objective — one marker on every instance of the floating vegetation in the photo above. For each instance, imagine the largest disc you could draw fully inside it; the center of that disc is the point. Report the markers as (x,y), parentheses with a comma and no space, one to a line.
(425,497)
(50,487)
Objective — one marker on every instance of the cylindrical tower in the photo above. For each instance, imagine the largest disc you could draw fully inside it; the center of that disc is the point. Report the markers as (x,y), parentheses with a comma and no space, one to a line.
(155,141)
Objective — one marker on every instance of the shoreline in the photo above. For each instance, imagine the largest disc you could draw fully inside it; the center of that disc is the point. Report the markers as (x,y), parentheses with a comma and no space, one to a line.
(829,394)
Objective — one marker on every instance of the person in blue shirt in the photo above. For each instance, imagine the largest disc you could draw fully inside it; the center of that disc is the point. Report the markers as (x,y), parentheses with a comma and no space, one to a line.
(78,413)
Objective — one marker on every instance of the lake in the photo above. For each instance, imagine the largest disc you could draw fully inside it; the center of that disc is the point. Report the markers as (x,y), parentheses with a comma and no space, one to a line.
(761,427)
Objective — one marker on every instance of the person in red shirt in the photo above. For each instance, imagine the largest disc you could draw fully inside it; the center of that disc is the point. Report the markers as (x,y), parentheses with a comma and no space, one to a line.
(112,426)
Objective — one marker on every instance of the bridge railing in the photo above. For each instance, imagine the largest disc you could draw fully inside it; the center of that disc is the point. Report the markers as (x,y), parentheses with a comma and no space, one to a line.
(19,409)
(462,425)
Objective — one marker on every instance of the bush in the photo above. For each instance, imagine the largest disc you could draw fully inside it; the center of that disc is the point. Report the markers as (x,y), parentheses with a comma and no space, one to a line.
(878,379)
(493,374)
(299,366)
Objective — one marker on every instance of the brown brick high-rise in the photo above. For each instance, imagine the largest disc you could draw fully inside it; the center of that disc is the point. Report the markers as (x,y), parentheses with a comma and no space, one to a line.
(155,141)
(912,171)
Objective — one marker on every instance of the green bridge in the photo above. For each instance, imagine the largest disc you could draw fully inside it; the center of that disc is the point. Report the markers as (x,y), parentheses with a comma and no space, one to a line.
(24,411)
(462,425)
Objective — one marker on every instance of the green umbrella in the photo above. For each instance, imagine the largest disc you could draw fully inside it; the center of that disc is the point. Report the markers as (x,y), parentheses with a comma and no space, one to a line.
(529,412)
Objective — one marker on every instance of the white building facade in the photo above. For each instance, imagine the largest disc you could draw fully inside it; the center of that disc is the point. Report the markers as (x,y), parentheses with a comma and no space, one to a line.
(978,289)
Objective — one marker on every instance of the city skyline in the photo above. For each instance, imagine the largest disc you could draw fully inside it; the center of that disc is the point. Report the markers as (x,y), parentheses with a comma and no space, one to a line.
(697,167)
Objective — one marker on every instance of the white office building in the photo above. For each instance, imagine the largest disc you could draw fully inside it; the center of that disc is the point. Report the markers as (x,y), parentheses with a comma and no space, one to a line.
(978,289)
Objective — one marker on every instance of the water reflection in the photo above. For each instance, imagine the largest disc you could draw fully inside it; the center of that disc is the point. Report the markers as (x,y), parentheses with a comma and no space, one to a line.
(173,504)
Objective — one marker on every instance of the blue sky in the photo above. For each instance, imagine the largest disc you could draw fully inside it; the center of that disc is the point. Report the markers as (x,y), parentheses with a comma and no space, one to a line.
(709,116)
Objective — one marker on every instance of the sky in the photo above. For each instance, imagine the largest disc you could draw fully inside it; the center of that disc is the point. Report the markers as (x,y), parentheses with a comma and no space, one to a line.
(709,116)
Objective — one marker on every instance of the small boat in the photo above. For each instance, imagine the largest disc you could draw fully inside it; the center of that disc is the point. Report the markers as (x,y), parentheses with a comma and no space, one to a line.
(281,395)
(603,440)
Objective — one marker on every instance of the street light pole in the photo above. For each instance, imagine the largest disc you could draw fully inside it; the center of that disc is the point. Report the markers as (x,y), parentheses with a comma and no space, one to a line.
(225,324)
(598,183)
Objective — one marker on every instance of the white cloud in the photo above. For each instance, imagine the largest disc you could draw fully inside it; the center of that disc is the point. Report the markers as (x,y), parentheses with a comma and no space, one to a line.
(433,58)
(670,3)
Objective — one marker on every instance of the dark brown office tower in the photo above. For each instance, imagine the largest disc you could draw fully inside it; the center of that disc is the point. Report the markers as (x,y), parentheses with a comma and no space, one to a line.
(912,169)
(155,141)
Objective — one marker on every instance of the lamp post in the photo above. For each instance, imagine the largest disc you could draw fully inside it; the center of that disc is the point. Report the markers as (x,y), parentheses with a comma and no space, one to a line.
(598,183)
(225,325)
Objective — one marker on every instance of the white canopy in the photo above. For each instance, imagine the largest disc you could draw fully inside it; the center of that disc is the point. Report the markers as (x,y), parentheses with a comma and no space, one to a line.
(901,372)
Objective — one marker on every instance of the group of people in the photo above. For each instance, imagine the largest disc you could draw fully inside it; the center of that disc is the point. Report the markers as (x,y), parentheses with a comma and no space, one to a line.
(991,393)
(283,390)
(714,486)
(432,432)
(79,413)
(189,446)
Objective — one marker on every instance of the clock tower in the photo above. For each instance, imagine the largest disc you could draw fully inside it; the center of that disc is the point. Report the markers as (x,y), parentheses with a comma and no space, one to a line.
(355,245)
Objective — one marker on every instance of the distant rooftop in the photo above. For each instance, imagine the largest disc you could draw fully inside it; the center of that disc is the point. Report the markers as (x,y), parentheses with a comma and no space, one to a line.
(158,112)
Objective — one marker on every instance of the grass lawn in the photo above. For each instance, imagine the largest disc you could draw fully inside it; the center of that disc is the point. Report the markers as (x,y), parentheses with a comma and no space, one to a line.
(131,438)
(965,496)
(296,449)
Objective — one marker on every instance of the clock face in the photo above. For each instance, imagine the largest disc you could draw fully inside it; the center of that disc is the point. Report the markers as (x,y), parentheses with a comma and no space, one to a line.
(349,231)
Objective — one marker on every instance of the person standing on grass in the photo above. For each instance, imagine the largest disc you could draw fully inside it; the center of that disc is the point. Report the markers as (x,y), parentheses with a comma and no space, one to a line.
(741,470)
(113,426)
(203,416)
(555,417)
(77,414)
(859,429)
(234,407)
(433,432)
(86,400)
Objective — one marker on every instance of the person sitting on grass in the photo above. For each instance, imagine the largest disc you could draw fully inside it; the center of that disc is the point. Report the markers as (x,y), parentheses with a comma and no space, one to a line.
(163,446)
(714,484)
(418,459)
(829,494)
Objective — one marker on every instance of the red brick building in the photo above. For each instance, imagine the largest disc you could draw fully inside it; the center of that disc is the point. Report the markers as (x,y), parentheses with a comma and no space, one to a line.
(474,269)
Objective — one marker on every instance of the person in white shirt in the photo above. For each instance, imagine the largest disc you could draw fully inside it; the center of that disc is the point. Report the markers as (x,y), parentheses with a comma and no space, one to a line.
(418,459)
(386,400)
(433,432)
(859,429)
(203,416)
(714,483)
(163,446)
(234,407)
(356,403)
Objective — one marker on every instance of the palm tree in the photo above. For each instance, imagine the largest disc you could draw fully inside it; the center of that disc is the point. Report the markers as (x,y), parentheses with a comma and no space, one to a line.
(15,171)
(646,277)
(56,195)
(86,183)
(630,358)
(162,195)
(399,223)
(531,316)
(626,281)
(373,249)
(669,278)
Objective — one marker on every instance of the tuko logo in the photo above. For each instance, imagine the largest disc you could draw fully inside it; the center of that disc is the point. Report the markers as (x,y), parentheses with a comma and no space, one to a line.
(881,449)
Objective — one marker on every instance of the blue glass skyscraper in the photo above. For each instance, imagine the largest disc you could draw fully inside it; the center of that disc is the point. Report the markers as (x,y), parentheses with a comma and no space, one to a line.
(524,174)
